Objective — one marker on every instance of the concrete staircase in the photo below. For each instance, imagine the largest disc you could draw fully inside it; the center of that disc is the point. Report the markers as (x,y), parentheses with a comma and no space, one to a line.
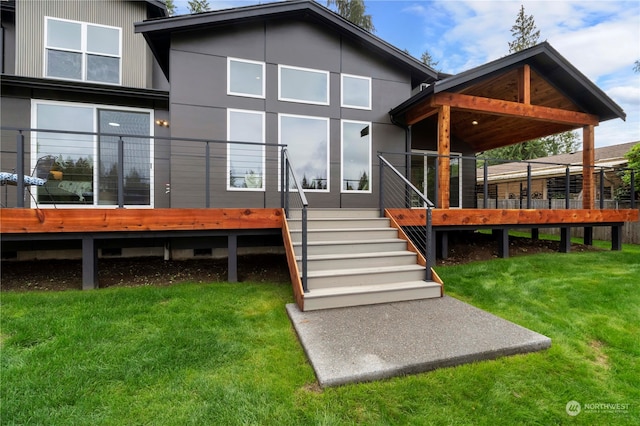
(356,258)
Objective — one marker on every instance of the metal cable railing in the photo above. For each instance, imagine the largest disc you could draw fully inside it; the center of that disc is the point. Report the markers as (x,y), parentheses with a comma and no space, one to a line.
(396,191)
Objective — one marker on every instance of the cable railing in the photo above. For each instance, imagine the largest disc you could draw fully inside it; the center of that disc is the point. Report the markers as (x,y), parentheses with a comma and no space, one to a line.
(397,192)
(294,198)
(136,170)
(508,184)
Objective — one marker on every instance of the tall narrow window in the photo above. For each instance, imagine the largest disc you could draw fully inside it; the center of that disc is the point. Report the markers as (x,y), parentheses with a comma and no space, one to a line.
(356,92)
(356,156)
(245,78)
(307,140)
(82,51)
(245,160)
(303,85)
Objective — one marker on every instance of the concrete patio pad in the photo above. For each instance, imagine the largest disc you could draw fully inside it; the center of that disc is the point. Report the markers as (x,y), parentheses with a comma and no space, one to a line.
(364,343)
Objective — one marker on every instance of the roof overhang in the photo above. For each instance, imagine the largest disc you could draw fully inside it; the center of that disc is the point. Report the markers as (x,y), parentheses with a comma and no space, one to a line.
(487,105)
(158,32)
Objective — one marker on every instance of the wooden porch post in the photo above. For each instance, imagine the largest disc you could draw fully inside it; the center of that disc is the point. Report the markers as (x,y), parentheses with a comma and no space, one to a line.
(588,159)
(444,150)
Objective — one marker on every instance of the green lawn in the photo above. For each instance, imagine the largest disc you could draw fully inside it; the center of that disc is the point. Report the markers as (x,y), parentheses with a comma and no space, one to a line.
(226,354)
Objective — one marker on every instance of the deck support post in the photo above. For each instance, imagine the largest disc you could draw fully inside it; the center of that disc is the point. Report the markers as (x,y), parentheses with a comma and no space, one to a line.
(89,263)
(616,237)
(588,159)
(232,258)
(502,235)
(444,152)
(444,245)
(565,239)
(535,234)
(588,236)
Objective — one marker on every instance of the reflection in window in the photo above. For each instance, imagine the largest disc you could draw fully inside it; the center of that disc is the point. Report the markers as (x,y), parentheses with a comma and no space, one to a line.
(303,85)
(245,161)
(307,140)
(86,170)
(245,78)
(356,156)
(82,51)
(356,92)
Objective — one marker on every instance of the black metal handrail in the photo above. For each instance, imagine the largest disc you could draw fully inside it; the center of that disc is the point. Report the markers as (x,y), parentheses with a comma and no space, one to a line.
(286,174)
(409,191)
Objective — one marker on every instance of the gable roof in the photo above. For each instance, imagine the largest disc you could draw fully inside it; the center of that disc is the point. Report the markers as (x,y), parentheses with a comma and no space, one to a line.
(157,32)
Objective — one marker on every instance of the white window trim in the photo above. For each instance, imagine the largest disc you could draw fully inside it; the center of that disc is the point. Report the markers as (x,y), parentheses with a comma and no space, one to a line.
(299,101)
(83,50)
(95,107)
(343,104)
(451,154)
(355,191)
(328,121)
(262,137)
(246,95)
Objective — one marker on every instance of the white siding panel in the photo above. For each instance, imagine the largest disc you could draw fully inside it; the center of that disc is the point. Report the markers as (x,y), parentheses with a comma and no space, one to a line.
(30,16)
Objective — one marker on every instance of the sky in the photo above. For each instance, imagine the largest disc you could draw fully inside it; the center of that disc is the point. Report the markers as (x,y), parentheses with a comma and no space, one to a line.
(600,38)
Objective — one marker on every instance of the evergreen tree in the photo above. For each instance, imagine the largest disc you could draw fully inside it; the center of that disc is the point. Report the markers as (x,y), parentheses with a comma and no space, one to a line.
(428,60)
(354,11)
(636,66)
(198,6)
(171,7)
(524,31)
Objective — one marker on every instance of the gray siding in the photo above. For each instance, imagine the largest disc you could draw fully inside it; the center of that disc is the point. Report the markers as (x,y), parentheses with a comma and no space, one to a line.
(30,22)
(199,102)
(9,48)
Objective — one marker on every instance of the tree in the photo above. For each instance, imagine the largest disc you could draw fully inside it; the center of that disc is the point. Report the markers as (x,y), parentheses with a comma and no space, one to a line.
(171,7)
(524,31)
(354,11)
(526,34)
(633,164)
(428,60)
(636,66)
(198,6)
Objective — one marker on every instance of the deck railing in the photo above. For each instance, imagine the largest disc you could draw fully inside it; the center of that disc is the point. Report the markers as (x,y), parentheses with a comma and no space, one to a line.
(293,197)
(396,191)
(478,182)
(121,170)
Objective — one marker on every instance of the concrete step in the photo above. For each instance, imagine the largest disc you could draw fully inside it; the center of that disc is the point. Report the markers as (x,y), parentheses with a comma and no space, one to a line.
(350,247)
(340,223)
(335,213)
(358,234)
(370,294)
(358,260)
(364,276)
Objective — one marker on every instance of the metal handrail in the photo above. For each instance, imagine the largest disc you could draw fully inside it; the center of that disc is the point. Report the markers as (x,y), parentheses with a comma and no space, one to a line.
(429,255)
(285,185)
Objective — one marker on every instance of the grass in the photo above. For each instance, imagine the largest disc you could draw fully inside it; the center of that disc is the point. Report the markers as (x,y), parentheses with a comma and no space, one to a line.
(226,354)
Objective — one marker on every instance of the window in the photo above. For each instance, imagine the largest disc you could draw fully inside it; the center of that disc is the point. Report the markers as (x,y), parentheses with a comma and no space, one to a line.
(303,85)
(82,51)
(307,139)
(356,92)
(245,162)
(356,156)
(245,78)
(86,170)
(424,177)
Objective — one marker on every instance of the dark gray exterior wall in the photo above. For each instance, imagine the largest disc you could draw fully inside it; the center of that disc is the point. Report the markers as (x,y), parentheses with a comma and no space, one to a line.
(8,47)
(198,105)
(17,111)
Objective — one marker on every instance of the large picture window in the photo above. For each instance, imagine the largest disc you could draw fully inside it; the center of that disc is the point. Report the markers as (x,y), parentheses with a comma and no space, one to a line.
(356,92)
(82,51)
(86,168)
(245,78)
(245,162)
(356,156)
(307,140)
(303,85)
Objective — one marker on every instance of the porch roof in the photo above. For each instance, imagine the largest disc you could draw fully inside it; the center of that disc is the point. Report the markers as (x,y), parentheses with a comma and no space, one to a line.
(497,104)
(158,32)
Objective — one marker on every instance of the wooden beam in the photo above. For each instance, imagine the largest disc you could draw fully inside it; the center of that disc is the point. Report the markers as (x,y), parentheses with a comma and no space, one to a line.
(513,109)
(419,113)
(588,172)
(524,84)
(444,150)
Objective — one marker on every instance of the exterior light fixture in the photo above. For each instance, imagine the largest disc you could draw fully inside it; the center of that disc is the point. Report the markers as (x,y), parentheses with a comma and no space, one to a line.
(162,123)
(474,122)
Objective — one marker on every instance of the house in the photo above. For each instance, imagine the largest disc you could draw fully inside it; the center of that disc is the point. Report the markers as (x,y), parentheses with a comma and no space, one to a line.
(279,123)
(509,180)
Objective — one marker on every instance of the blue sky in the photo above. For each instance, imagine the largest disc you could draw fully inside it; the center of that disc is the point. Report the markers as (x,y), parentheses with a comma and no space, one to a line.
(600,38)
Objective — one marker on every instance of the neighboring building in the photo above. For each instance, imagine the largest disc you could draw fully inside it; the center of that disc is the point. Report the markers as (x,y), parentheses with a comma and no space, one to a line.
(78,66)
(508,181)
